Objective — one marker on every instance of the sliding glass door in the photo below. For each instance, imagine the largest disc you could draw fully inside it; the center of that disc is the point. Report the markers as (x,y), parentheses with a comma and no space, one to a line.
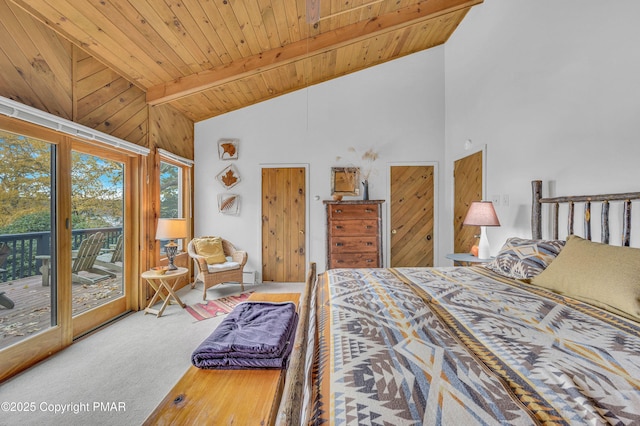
(69,215)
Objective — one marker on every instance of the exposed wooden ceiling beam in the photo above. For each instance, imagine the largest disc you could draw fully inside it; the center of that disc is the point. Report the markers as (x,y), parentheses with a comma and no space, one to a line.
(319,44)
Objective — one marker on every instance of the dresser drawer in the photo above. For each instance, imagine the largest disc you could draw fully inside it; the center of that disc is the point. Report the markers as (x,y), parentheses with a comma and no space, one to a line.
(354,238)
(353,227)
(354,260)
(352,211)
(353,244)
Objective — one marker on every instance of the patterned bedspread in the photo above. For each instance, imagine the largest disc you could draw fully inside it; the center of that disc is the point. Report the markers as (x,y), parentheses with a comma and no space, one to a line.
(463,346)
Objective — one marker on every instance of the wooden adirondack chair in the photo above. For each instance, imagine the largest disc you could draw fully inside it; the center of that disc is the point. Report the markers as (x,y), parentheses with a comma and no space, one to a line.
(112,261)
(5,251)
(84,261)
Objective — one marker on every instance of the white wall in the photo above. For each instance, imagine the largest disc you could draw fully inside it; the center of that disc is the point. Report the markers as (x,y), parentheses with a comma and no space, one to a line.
(396,108)
(552,88)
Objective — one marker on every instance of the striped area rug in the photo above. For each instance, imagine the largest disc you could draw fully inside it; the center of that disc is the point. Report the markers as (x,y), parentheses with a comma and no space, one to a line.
(215,308)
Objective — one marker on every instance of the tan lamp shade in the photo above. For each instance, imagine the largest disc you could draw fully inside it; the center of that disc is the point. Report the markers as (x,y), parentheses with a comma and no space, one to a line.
(171,229)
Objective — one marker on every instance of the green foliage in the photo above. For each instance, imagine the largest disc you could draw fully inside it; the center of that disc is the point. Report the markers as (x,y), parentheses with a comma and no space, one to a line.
(25,177)
(26,168)
(96,192)
(32,222)
(169,190)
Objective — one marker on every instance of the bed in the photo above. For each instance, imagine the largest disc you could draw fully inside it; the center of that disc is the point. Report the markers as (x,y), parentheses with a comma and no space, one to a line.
(547,333)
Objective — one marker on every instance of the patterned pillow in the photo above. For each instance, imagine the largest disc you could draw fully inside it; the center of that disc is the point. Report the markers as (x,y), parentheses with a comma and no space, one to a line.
(211,248)
(522,259)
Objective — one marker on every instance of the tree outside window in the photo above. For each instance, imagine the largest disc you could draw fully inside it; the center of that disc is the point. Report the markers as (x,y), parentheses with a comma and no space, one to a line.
(170,190)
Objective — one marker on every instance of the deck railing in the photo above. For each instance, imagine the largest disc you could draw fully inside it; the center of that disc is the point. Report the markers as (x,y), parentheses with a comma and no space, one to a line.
(21,259)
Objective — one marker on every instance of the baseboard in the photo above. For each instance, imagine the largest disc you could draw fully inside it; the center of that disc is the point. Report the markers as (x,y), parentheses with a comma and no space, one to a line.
(248,277)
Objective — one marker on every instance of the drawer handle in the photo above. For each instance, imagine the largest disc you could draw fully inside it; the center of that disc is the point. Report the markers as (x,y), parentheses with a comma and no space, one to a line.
(368,210)
(369,243)
(339,244)
(338,226)
(369,260)
(339,261)
(369,227)
(338,210)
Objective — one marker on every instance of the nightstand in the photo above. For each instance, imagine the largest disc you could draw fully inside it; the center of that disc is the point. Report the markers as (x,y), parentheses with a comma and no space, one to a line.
(467,259)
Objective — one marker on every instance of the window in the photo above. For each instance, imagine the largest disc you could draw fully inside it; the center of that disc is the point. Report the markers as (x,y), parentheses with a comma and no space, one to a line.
(171,193)
(26,236)
(98,230)
(175,196)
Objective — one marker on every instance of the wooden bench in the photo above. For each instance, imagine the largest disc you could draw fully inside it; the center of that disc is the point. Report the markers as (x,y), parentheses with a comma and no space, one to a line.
(225,397)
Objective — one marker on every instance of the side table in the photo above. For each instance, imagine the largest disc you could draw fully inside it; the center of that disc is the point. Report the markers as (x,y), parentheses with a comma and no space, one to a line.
(466,259)
(160,282)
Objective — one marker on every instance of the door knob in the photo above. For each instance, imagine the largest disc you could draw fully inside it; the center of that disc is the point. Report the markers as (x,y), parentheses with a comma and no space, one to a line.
(428,237)
(393,231)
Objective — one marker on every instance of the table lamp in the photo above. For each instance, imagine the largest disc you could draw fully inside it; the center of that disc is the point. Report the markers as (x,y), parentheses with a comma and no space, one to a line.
(482,214)
(171,229)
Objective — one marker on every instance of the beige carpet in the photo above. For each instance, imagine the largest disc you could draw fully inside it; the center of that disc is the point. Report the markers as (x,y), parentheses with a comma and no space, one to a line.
(117,375)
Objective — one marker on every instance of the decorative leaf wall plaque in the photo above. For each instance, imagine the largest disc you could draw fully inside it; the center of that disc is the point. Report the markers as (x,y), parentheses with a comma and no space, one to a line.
(228,149)
(229,177)
(229,203)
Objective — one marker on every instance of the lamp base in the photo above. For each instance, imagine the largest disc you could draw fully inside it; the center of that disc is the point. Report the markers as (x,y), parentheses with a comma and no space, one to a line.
(484,251)
(171,249)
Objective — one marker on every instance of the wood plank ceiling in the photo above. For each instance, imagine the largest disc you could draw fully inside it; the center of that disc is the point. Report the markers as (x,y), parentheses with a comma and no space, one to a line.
(209,57)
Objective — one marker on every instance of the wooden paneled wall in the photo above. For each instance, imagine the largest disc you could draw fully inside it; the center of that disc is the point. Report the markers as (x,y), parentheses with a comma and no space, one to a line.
(35,63)
(171,131)
(105,101)
(41,69)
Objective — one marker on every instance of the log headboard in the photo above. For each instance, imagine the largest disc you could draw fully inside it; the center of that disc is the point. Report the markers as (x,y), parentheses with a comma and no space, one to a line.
(604,199)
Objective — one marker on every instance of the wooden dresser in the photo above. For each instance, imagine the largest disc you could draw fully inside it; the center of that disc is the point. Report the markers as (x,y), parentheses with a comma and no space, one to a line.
(354,234)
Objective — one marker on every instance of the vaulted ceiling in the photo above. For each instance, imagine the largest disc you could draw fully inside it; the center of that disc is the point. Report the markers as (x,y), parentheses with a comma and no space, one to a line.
(209,57)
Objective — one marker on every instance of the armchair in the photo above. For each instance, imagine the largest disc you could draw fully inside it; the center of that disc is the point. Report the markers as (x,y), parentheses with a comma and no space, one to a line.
(211,275)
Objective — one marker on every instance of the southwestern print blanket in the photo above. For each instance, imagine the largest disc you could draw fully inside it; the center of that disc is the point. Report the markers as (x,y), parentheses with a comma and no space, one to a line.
(454,346)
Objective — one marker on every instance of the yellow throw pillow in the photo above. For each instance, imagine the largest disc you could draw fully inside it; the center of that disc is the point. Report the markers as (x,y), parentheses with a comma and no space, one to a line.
(211,249)
(603,275)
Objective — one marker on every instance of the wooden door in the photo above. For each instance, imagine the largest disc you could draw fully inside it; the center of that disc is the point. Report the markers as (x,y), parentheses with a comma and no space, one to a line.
(412,215)
(467,178)
(283,224)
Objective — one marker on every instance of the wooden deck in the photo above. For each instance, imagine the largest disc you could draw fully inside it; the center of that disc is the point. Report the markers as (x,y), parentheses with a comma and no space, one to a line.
(32,311)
